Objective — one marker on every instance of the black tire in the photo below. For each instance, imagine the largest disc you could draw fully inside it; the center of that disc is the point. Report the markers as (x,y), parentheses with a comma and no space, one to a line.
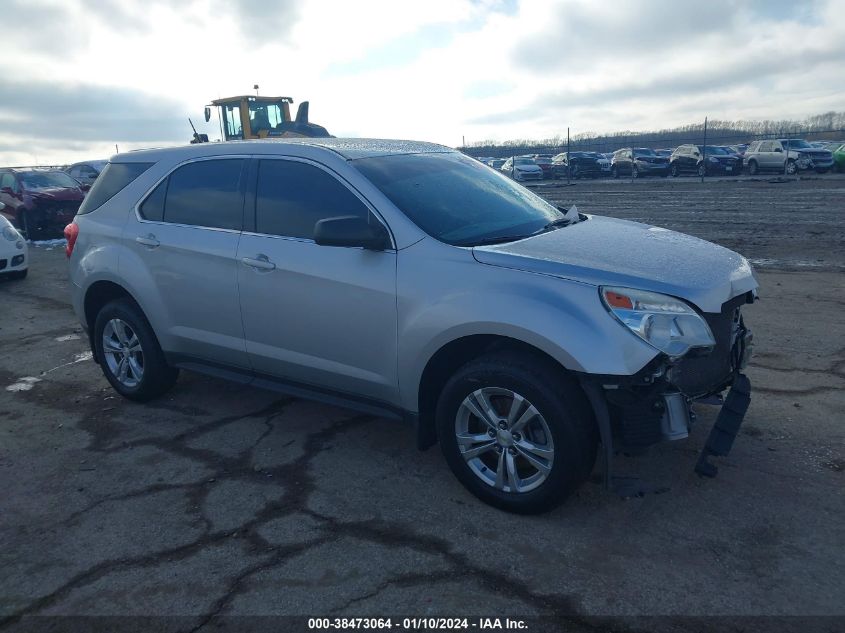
(673,169)
(560,402)
(614,173)
(635,173)
(753,168)
(573,172)
(158,377)
(702,170)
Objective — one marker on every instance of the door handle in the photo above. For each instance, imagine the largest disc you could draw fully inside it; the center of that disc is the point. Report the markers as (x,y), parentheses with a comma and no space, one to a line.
(259,262)
(148,240)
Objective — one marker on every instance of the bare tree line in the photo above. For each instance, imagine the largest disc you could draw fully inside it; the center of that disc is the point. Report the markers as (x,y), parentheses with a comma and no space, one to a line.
(827,126)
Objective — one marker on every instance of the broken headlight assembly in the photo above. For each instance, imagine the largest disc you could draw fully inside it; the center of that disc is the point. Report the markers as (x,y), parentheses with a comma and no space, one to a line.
(666,323)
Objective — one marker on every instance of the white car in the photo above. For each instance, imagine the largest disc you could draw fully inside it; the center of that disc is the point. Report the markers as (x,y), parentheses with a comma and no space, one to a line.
(14,256)
(522,168)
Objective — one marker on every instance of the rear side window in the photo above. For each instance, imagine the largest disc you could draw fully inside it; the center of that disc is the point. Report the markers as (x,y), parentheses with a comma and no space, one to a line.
(292,197)
(112,179)
(204,193)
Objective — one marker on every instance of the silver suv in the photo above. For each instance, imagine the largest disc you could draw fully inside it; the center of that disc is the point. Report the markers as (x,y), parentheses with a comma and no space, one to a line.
(791,155)
(409,281)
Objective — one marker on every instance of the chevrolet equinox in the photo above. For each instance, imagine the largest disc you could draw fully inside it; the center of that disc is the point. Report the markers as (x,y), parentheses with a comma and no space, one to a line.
(409,281)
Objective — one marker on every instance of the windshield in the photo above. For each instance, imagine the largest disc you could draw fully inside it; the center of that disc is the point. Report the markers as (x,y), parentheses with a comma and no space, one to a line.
(542,161)
(47,180)
(644,152)
(713,150)
(797,144)
(456,200)
(524,161)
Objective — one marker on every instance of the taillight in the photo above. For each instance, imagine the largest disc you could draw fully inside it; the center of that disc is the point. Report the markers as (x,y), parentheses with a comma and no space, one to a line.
(71,233)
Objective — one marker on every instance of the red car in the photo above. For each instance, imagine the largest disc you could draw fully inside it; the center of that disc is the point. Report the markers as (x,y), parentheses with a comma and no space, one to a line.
(545,163)
(39,202)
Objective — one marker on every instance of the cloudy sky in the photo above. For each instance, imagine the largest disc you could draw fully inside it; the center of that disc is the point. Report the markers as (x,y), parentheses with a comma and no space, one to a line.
(78,77)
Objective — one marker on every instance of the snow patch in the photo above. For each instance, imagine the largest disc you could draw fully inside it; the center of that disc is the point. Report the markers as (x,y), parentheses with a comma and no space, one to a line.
(67,337)
(23,384)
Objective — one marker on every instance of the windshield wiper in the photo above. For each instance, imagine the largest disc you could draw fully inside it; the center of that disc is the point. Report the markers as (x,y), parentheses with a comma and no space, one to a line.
(570,216)
(496,239)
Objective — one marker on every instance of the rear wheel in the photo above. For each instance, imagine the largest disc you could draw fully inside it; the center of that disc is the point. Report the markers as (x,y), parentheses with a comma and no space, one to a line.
(129,353)
(516,431)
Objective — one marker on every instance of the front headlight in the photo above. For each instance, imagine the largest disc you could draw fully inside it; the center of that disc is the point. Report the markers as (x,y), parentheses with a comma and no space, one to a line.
(662,321)
(11,234)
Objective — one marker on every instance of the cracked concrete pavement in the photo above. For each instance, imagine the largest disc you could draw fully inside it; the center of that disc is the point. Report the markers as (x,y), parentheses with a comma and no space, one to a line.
(224,499)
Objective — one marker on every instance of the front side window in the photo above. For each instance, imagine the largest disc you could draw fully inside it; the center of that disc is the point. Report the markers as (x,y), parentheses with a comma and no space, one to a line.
(292,197)
(206,193)
(232,122)
(455,200)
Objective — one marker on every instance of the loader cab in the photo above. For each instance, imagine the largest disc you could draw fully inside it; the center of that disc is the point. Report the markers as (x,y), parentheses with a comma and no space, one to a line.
(250,117)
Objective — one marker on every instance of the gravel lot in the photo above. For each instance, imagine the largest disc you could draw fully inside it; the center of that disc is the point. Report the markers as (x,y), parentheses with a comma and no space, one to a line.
(223,499)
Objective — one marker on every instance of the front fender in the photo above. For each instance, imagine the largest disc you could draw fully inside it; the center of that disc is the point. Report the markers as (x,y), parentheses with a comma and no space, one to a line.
(563,318)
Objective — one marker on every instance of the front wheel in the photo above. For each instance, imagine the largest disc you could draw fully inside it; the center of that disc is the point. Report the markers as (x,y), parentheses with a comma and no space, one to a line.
(791,167)
(516,431)
(702,170)
(753,168)
(635,173)
(673,169)
(614,173)
(129,354)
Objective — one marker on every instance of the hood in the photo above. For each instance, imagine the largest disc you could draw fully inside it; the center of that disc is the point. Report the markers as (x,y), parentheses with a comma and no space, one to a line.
(607,251)
(57,194)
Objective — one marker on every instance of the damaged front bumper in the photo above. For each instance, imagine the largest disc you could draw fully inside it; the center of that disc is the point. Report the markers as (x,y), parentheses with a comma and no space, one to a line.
(654,405)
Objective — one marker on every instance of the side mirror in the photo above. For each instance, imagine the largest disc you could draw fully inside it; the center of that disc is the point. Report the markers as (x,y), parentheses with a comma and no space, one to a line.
(7,190)
(2,206)
(351,231)
(779,150)
(207,114)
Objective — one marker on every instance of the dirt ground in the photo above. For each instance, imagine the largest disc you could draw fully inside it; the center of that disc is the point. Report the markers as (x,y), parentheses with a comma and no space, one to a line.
(223,499)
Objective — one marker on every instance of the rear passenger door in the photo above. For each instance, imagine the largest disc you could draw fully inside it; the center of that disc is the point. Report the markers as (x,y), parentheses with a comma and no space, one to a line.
(321,316)
(184,236)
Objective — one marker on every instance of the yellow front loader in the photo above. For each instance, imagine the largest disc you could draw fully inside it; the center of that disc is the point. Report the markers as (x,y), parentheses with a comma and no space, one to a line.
(254,117)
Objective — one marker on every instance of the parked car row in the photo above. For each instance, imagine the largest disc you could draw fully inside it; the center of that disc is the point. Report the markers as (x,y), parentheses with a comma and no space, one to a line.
(777,155)
(39,202)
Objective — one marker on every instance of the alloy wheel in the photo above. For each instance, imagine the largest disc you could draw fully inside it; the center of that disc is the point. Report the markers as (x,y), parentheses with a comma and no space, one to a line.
(122,353)
(504,440)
